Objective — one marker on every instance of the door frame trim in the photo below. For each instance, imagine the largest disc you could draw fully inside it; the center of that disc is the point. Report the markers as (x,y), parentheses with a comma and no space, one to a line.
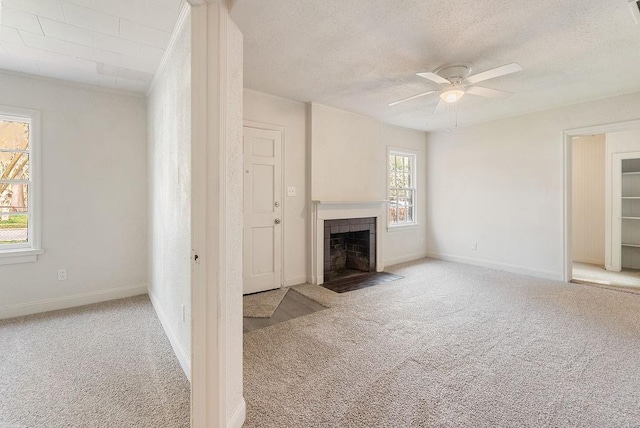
(568,135)
(271,127)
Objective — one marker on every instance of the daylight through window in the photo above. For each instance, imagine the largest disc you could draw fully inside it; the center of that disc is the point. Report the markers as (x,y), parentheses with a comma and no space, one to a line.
(402,188)
(15,182)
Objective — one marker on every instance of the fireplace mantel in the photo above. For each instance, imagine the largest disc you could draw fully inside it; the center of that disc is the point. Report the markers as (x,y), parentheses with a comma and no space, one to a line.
(334,210)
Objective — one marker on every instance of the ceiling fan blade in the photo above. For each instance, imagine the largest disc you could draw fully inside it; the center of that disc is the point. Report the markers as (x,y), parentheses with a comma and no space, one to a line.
(410,98)
(496,72)
(441,107)
(486,92)
(434,78)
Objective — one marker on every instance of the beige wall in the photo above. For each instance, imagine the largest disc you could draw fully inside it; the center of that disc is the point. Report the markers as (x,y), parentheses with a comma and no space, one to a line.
(169,222)
(588,199)
(349,163)
(94,204)
(290,115)
(501,184)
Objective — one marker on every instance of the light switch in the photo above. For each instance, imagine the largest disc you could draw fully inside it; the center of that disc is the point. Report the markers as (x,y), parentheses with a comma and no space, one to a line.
(291,191)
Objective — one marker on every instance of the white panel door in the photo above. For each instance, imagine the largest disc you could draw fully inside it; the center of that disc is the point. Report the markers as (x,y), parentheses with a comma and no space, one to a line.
(262,210)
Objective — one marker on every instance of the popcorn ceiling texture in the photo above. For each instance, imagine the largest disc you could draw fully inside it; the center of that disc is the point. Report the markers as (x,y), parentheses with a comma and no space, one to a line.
(362,54)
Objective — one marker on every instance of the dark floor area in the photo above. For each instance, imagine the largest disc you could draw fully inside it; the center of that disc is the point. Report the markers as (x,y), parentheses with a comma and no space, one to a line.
(293,305)
(358,281)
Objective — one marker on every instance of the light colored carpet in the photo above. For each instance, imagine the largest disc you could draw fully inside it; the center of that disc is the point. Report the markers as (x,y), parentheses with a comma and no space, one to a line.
(599,275)
(262,305)
(450,345)
(104,365)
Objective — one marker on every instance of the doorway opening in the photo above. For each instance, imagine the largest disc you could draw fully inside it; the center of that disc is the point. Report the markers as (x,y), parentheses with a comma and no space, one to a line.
(602,206)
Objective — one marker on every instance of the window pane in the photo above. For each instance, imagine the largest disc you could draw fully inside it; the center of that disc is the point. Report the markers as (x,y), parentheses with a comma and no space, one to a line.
(402,213)
(401,189)
(402,198)
(13,228)
(14,135)
(14,198)
(393,210)
(14,166)
(399,163)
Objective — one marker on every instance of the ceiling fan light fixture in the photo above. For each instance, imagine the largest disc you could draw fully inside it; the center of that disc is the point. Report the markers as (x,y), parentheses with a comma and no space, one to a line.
(452,96)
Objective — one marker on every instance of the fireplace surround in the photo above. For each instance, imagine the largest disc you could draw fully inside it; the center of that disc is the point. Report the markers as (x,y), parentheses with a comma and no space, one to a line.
(326,211)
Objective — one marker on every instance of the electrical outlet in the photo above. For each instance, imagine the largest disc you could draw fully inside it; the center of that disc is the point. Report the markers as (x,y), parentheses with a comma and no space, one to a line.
(62,275)
(474,246)
(291,191)
(184,314)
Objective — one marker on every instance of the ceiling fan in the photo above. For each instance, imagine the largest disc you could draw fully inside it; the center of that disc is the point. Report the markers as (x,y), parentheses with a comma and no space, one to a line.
(455,83)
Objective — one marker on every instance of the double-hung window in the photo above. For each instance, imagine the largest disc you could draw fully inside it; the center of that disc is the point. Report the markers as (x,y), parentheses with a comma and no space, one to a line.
(19,234)
(402,187)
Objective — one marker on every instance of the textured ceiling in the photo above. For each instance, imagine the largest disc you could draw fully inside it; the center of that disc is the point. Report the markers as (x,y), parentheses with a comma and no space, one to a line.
(359,55)
(109,43)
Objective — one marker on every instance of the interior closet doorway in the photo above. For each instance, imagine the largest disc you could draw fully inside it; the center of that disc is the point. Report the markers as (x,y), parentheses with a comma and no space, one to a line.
(602,208)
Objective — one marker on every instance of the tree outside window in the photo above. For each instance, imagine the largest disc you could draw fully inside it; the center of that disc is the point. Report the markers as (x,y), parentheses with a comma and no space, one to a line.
(14,182)
(402,188)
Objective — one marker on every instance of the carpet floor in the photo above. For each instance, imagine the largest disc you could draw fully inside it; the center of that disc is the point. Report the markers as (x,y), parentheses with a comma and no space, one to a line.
(103,365)
(262,305)
(450,345)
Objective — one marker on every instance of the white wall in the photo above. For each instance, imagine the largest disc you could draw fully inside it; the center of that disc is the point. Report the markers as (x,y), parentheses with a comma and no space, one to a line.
(588,199)
(349,163)
(94,205)
(169,151)
(501,184)
(290,115)
(407,244)
(234,174)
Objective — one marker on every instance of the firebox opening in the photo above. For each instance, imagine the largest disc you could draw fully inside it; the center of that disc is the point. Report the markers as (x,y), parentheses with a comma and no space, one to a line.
(349,247)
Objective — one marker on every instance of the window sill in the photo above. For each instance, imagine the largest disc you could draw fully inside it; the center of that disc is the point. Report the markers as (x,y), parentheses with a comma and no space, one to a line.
(400,227)
(19,255)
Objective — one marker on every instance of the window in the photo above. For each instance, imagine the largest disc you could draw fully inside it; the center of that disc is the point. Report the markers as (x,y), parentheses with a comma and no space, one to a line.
(19,234)
(402,188)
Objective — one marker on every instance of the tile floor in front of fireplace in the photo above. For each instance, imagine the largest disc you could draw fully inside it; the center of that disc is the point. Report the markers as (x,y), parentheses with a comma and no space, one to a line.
(358,280)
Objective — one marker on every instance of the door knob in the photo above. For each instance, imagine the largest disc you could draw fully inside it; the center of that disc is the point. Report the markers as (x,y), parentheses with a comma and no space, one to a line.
(276,204)
(277,221)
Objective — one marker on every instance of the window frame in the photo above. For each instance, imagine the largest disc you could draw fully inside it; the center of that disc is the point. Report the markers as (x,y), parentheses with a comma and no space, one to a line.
(28,252)
(413,155)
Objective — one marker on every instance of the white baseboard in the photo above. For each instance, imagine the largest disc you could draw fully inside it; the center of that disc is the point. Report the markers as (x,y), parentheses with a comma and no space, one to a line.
(295,281)
(181,354)
(557,276)
(404,259)
(237,420)
(73,301)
